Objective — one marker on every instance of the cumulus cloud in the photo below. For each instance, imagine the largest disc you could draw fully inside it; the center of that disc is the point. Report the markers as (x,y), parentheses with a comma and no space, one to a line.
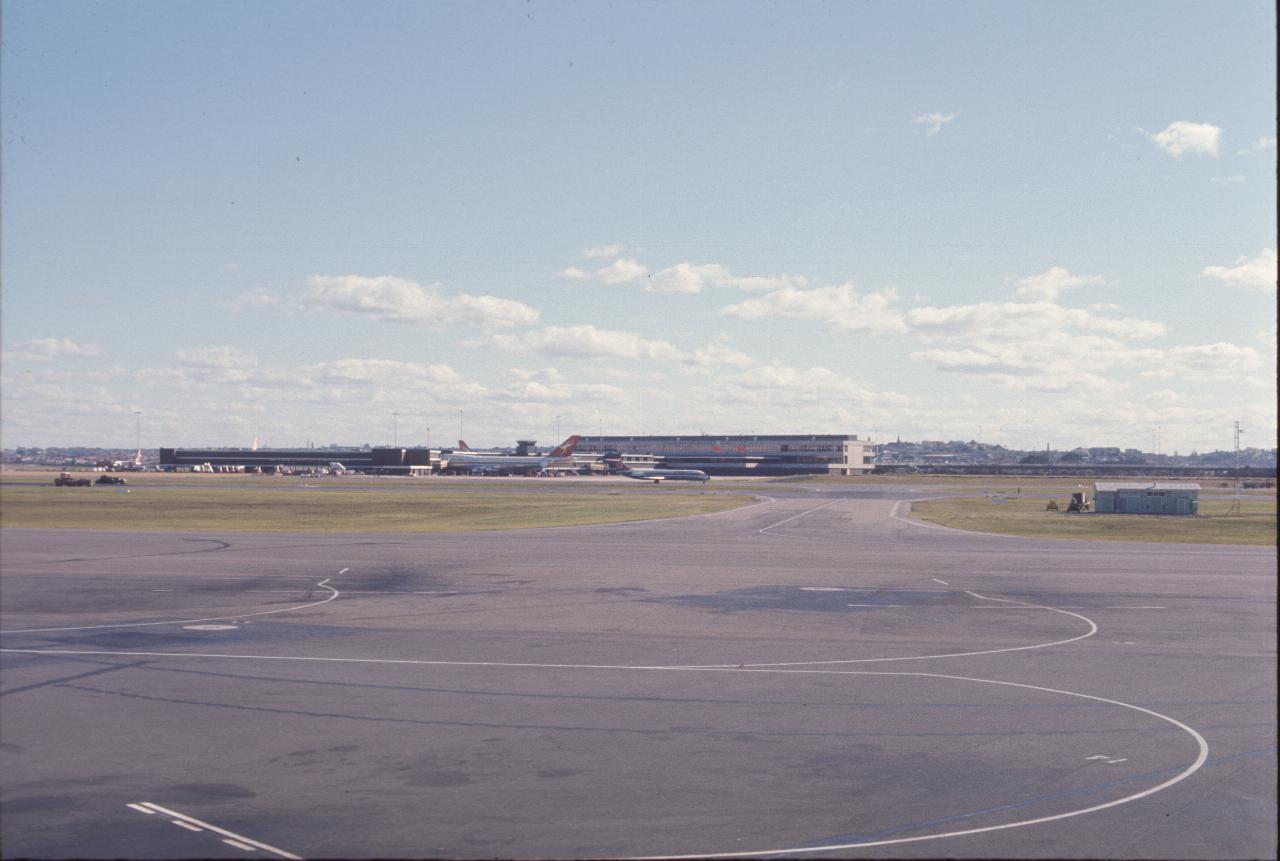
(1204,361)
(48,349)
(841,307)
(588,342)
(1023,320)
(1257,274)
(1262,144)
(1048,284)
(694,277)
(1182,137)
(934,121)
(621,271)
(219,357)
(400,300)
(602,251)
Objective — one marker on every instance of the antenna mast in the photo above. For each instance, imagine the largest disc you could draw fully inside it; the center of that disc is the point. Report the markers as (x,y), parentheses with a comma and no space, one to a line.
(1235,502)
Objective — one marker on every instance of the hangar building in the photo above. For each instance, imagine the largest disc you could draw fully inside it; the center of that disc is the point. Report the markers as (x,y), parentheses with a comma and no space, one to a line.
(401,461)
(1139,497)
(780,454)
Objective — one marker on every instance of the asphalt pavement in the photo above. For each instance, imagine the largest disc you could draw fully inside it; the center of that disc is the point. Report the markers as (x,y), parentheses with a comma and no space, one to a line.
(808,676)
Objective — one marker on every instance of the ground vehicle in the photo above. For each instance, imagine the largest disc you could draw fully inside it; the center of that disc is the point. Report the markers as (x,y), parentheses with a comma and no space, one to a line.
(111,479)
(66,480)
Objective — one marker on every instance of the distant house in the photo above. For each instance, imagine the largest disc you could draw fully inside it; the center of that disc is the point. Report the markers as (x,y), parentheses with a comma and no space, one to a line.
(1143,497)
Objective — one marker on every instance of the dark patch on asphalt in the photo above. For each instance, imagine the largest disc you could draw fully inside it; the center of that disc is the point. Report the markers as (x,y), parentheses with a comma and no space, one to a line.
(438,779)
(43,804)
(619,590)
(178,635)
(795,598)
(193,793)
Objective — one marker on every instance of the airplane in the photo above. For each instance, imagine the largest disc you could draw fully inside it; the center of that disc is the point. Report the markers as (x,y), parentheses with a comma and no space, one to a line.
(655,475)
(469,461)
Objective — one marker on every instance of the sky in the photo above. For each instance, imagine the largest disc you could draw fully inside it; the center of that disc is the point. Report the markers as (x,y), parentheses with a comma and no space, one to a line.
(1031,224)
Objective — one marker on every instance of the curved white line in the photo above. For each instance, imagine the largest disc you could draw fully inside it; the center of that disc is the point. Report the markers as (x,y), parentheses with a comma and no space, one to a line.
(1093,629)
(321,584)
(1185,773)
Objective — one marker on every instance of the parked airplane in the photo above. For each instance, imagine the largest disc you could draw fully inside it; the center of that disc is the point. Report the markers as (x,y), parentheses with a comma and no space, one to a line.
(468,461)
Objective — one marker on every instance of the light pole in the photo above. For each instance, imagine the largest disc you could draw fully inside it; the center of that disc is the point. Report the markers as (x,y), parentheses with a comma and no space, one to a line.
(428,438)
(395,430)
(137,414)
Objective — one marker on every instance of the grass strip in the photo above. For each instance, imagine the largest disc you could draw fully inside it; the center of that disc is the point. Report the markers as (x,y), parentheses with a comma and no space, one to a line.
(299,509)
(1013,515)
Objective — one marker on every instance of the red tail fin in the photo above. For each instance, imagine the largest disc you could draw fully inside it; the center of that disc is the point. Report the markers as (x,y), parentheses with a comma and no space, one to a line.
(462,445)
(566,448)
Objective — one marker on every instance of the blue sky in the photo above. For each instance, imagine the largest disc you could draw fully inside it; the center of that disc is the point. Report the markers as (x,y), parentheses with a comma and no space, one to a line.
(1028,223)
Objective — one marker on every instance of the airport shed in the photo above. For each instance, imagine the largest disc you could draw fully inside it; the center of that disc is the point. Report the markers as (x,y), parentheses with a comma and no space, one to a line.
(1145,497)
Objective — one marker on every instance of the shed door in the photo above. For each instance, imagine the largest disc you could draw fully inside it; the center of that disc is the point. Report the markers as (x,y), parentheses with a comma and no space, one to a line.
(1184,505)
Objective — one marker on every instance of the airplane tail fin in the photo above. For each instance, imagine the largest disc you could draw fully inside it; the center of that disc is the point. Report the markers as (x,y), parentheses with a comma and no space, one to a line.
(462,445)
(613,462)
(255,444)
(137,458)
(566,448)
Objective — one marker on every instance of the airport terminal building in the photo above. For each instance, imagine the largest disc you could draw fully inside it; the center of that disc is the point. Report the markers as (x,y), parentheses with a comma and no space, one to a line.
(775,454)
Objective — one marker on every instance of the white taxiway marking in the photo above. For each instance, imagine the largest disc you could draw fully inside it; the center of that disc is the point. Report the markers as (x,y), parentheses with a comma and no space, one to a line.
(188,621)
(344,570)
(237,844)
(141,809)
(943,582)
(796,516)
(193,824)
(1201,757)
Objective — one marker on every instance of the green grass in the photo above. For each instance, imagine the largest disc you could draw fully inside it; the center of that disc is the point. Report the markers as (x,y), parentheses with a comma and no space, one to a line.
(1013,515)
(162,504)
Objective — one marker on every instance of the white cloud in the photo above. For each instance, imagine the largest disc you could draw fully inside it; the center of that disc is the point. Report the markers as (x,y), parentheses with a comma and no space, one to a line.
(1206,361)
(934,121)
(1184,137)
(588,342)
(1048,284)
(622,272)
(217,357)
(1003,321)
(602,251)
(48,349)
(400,300)
(1258,273)
(694,277)
(1262,144)
(841,307)
(617,272)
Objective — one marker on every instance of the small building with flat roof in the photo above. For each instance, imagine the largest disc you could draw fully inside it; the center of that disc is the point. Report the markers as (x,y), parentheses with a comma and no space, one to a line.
(1146,497)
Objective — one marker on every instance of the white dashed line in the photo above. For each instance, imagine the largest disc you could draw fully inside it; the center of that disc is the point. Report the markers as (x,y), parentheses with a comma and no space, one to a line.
(192,824)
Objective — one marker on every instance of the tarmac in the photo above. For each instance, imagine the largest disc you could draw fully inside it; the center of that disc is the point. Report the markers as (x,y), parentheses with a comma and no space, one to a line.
(808,676)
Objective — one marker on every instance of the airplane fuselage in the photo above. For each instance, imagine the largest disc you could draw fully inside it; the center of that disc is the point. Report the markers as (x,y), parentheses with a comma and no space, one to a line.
(656,475)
